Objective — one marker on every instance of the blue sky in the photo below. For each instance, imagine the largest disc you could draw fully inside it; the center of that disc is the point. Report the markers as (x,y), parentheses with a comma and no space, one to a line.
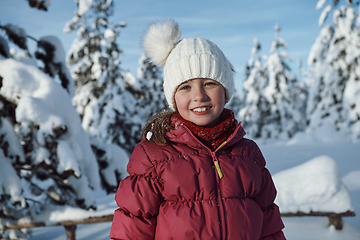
(231,24)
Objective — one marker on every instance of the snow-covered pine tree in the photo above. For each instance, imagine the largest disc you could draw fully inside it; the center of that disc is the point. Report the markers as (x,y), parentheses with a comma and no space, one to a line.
(255,108)
(153,99)
(283,94)
(45,154)
(106,96)
(334,96)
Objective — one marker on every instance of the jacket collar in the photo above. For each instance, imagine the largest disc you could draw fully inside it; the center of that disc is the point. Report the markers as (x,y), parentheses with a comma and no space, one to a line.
(182,134)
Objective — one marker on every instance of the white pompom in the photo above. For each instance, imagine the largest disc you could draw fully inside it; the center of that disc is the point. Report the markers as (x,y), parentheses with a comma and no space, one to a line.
(160,40)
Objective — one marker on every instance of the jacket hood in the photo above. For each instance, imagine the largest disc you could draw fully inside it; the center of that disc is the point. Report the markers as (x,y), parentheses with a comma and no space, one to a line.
(182,134)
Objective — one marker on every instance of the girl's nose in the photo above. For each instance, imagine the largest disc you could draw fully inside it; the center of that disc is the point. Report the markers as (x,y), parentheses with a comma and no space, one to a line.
(199,94)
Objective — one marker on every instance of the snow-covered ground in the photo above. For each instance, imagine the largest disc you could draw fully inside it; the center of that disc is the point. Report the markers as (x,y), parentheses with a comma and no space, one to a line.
(279,156)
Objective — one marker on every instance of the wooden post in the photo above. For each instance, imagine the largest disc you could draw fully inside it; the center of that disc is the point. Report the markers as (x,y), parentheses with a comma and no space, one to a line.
(70,231)
(336,220)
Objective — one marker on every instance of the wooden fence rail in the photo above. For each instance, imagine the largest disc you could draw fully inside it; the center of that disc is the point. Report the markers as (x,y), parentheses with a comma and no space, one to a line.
(70,226)
(335,219)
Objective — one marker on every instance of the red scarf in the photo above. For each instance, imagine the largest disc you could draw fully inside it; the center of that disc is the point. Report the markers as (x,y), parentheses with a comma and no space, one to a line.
(211,137)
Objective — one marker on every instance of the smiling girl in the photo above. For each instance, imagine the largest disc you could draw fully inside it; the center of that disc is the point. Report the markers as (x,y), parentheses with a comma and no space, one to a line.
(194,175)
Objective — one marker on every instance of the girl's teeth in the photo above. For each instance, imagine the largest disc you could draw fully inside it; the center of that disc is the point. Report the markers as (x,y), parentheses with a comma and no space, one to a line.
(201,109)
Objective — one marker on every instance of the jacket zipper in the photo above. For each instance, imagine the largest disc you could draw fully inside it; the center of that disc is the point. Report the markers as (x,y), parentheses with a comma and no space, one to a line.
(218,169)
(219,175)
(220,200)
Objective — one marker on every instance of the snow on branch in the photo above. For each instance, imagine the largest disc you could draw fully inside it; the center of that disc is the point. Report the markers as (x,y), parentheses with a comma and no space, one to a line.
(320,4)
(83,6)
(16,34)
(324,15)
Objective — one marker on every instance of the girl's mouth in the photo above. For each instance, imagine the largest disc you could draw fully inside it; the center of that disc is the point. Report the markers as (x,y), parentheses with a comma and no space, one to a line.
(201,109)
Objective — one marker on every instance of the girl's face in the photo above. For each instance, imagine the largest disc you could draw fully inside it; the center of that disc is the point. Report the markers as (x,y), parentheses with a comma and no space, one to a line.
(200,101)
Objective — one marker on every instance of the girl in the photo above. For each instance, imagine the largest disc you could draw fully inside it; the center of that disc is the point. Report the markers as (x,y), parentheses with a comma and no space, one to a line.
(194,176)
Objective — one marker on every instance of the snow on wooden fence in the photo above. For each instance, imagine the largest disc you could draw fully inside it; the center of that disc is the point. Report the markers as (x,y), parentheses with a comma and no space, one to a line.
(335,219)
(70,225)
(66,216)
(314,188)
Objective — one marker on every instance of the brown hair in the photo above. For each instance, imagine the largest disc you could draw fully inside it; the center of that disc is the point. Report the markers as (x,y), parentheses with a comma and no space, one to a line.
(158,125)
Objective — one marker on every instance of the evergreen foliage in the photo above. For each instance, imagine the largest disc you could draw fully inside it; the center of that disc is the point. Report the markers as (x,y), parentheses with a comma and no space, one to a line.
(46,157)
(274,100)
(52,55)
(255,107)
(39,151)
(106,96)
(334,95)
(153,98)
(283,94)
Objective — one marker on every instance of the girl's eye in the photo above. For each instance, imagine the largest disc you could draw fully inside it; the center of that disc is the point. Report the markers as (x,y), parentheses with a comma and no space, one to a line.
(185,87)
(210,83)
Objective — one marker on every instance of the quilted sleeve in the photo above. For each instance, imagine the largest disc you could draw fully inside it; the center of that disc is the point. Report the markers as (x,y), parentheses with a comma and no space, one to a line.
(138,197)
(272,223)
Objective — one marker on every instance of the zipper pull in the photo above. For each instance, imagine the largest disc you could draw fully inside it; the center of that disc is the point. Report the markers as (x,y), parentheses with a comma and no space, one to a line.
(217,166)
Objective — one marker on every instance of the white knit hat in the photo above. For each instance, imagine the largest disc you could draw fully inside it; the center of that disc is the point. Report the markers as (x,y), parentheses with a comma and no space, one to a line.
(186,59)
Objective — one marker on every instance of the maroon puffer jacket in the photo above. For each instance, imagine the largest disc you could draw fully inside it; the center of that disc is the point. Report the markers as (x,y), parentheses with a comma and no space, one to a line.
(186,191)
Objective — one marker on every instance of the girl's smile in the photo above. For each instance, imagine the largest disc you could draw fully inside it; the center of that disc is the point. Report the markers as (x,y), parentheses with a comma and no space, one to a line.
(201,110)
(200,101)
